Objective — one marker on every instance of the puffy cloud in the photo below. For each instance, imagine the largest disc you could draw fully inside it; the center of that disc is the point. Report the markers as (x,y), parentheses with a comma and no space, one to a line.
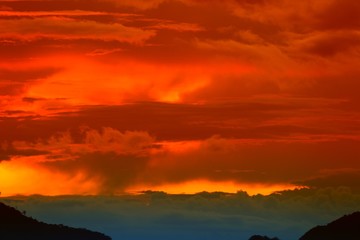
(115,161)
(103,161)
(113,140)
(92,141)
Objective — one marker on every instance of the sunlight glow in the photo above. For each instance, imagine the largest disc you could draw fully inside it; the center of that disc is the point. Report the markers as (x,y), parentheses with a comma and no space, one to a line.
(196,186)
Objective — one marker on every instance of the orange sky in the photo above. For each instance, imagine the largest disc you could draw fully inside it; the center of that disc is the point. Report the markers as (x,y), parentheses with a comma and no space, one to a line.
(103,96)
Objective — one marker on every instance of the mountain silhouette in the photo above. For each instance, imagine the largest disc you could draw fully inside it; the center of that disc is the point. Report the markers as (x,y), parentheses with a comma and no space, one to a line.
(258,237)
(14,225)
(344,228)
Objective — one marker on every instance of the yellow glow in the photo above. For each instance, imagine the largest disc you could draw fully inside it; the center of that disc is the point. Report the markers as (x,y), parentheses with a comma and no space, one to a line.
(20,178)
(196,186)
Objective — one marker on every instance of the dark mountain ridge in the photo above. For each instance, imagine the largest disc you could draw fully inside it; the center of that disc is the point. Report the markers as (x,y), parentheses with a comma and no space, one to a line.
(259,237)
(344,228)
(14,225)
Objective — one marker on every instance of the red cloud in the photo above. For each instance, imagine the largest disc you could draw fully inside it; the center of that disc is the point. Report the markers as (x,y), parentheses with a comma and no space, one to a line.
(277,80)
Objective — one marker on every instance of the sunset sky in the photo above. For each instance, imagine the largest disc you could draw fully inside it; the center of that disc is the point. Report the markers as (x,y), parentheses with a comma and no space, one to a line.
(181,96)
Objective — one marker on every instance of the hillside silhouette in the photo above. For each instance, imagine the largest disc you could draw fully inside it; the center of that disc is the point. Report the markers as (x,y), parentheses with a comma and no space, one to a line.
(258,237)
(14,225)
(344,228)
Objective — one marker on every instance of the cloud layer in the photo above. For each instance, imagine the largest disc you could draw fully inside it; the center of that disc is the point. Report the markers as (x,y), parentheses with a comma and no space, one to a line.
(111,94)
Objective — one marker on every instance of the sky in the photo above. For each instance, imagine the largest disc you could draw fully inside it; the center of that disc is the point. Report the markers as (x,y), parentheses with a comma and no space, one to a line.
(102,97)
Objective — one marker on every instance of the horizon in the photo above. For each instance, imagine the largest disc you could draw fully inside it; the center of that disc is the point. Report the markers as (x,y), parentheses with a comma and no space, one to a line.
(157,215)
(150,191)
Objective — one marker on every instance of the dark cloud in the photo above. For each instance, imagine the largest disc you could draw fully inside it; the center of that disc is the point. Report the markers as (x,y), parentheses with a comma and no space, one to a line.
(113,172)
(330,43)
(251,2)
(339,14)
(59,5)
(23,75)
(267,162)
(8,151)
(235,120)
(31,99)
(117,160)
(53,28)
(235,87)
(336,178)
(15,81)
(109,158)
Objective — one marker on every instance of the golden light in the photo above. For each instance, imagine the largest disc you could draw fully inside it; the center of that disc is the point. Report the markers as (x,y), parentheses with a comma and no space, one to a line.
(196,186)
